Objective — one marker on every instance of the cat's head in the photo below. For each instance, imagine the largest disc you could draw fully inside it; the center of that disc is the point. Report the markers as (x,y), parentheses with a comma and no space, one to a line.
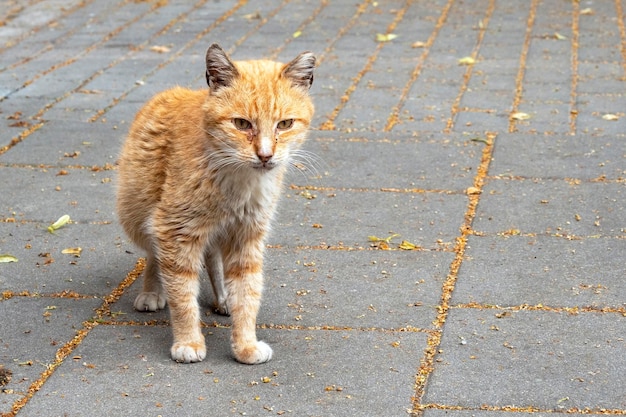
(258,110)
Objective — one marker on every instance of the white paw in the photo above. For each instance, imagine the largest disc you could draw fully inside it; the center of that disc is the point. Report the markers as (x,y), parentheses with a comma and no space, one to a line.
(253,355)
(150,301)
(188,352)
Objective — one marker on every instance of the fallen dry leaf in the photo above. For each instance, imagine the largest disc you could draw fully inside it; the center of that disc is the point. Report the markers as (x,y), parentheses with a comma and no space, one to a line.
(611,117)
(20,123)
(378,239)
(252,16)
(473,191)
(468,60)
(418,44)
(382,37)
(161,49)
(85,91)
(559,37)
(520,116)
(15,116)
(72,251)
(406,245)
(297,34)
(5,376)
(587,11)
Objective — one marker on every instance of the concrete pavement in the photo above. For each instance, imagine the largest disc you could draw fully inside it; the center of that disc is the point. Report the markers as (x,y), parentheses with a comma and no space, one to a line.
(484,146)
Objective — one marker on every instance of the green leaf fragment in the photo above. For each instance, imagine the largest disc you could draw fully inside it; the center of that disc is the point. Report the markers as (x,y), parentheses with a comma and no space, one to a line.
(63,220)
(6,258)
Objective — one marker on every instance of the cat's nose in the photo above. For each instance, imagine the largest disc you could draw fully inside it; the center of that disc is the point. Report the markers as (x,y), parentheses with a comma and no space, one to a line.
(264,154)
(264,151)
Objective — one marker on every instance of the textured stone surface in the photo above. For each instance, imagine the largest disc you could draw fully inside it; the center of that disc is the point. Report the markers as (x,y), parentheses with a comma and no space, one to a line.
(507,174)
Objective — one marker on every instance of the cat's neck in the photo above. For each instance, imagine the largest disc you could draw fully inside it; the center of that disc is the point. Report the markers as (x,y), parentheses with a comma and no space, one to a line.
(247,191)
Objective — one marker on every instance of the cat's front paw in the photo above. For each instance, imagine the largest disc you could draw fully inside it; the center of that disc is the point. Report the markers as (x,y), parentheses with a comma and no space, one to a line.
(188,352)
(254,354)
(150,301)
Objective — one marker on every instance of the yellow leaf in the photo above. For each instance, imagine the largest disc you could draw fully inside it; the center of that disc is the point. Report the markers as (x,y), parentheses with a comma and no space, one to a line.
(587,11)
(72,251)
(253,16)
(610,117)
(520,116)
(406,245)
(378,239)
(297,33)
(7,258)
(380,37)
(159,49)
(559,37)
(63,220)
(468,60)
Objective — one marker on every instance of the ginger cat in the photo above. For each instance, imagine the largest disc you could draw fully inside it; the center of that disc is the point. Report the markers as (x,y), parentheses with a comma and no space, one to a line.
(199,178)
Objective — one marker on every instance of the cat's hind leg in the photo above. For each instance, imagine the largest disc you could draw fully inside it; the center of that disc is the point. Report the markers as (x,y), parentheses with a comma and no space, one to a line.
(215,269)
(152,297)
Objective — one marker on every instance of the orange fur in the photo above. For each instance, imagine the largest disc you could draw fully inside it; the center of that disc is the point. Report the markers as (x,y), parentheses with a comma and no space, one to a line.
(199,178)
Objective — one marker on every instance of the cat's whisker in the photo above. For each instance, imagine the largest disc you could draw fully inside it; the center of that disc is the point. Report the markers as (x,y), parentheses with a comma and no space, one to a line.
(310,161)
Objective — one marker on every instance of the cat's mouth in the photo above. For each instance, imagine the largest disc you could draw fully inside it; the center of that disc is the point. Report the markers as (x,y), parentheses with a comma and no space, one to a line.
(264,166)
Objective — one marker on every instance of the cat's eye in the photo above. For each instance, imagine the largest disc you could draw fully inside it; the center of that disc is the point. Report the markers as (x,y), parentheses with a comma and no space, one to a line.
(242,124)
(285,124)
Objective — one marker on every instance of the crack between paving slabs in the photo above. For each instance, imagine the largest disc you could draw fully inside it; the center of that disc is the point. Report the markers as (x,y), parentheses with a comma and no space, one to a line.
(392,119)
(329,124)
(434,339)
(519,79)
(101,112)
(468,72)
(24,134)
(14,13)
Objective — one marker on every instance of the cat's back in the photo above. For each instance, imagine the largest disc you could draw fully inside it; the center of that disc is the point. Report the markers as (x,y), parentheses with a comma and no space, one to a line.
(176,111)
(162,128)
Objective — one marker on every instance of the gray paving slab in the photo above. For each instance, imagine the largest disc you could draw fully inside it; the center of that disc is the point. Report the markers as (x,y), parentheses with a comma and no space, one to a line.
(565,207)
(31,194)
(542,270)
(321,381)
(392,161)
(582,157)
(69,142)
(43,268)
(549,360)
(348,218)
(31,332)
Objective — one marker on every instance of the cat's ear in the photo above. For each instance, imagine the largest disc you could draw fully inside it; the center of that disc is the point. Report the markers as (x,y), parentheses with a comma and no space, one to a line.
(300,70)
(220,71)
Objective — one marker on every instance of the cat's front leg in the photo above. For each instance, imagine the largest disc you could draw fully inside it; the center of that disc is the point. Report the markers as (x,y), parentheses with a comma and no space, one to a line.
(179,276)
(245,286)
(152,297)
